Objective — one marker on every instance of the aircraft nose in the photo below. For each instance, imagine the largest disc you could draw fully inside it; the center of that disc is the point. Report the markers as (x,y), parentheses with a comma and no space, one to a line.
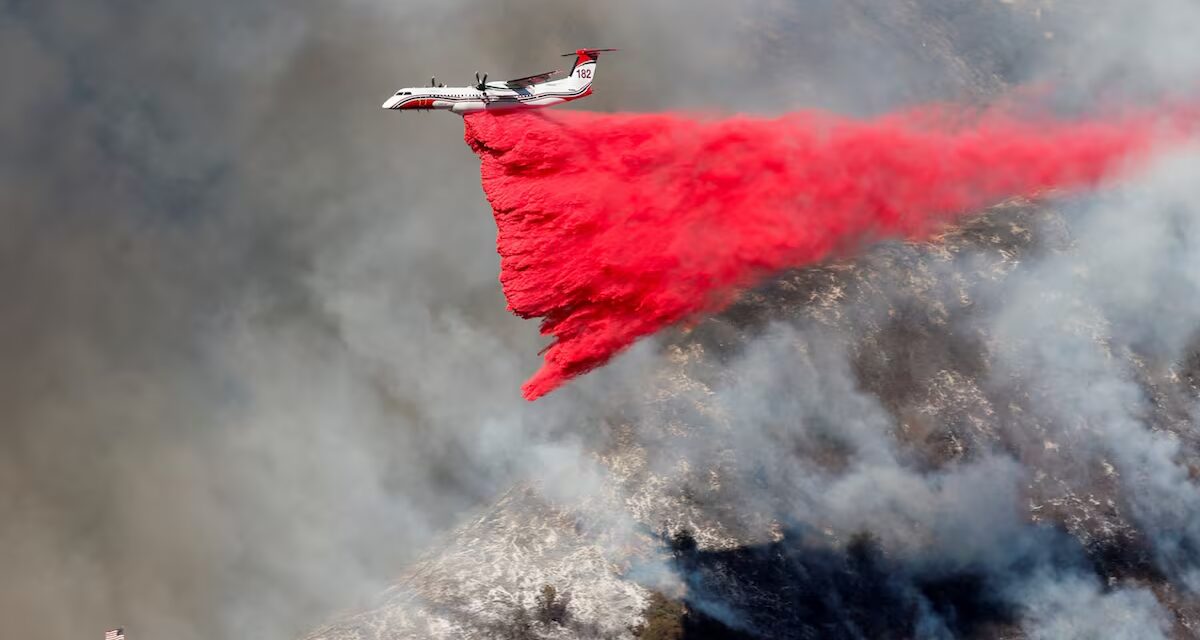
(391,102)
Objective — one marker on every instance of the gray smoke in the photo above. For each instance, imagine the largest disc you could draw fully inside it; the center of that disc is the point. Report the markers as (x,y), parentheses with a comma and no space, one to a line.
(1075,326)
(255,355)
(1079,397)
(255,359)
(799,442)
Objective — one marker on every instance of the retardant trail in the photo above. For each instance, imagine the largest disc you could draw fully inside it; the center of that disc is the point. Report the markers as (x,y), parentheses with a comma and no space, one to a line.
(612,227)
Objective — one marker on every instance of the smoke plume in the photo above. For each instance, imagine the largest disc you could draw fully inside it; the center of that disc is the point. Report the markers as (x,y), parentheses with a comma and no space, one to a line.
(612,227)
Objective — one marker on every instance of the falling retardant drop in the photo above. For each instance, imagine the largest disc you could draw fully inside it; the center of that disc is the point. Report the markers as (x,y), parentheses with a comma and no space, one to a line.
(614,226)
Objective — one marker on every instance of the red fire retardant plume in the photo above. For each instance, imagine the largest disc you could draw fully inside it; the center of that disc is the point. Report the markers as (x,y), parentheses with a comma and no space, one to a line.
(612,227)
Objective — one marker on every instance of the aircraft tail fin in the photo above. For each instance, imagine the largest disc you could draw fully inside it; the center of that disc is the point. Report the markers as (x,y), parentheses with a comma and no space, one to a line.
(584,69)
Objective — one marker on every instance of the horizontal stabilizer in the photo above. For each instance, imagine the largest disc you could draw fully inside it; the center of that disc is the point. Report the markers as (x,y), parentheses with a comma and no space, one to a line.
(591,53)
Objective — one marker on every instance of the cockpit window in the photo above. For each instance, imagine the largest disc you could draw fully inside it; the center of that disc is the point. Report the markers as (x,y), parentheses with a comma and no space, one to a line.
(404,93)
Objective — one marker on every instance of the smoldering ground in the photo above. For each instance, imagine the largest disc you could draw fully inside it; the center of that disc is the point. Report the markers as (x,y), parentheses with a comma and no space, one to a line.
(255,357)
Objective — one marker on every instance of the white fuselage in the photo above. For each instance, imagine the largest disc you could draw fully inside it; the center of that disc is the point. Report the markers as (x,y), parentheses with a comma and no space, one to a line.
(497,96)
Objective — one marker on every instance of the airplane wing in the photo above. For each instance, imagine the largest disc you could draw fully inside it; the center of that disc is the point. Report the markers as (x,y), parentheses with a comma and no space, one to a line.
(526,81)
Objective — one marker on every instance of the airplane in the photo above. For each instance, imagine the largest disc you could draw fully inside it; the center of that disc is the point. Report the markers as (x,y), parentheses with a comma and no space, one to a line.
(531,92)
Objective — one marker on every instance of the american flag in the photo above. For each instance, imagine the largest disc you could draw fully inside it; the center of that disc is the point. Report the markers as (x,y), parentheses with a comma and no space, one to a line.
(114,634)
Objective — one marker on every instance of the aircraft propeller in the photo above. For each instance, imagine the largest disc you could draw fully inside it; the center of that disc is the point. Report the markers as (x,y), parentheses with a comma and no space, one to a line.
(481,84)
